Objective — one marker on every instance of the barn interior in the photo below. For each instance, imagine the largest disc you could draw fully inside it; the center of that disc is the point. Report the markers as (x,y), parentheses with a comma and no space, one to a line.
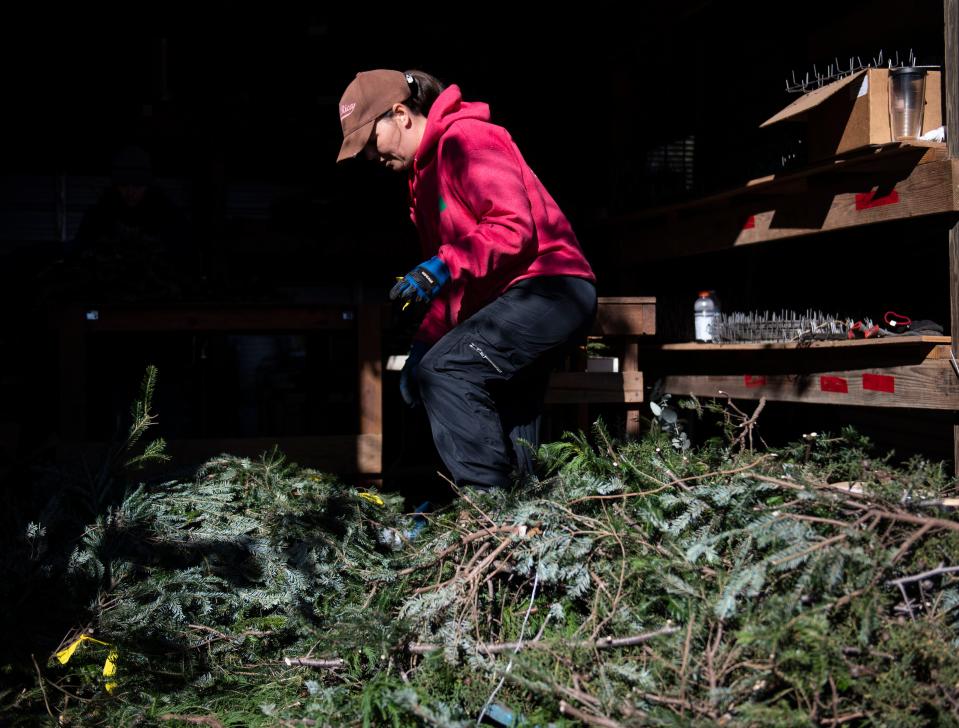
(625,114)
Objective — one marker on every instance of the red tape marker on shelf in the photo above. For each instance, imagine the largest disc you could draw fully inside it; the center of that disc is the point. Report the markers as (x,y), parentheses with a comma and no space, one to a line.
(865,200)
(879,383)
(750,222)
(751,381)
(834,384)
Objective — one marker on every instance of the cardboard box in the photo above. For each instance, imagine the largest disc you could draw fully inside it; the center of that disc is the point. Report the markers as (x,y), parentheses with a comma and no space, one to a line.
(853,112)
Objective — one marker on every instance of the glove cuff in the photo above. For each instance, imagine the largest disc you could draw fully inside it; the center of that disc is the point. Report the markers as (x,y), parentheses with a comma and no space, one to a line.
(438,271)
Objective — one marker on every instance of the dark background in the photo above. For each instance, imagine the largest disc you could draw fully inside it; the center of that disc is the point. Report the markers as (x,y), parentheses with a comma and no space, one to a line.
(617,108)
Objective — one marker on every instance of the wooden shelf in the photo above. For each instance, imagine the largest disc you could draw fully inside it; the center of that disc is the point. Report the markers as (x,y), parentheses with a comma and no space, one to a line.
(625,316)
(595,388)
(904,372)
(890,182)
(784,346)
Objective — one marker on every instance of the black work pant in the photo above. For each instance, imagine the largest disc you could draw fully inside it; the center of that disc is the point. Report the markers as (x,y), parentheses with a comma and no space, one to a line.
(483,384)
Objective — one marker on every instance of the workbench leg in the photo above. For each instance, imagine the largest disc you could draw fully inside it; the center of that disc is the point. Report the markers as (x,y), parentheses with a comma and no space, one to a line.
(954,323)
(369,456)
(578,361)
(631,364)
(951,71)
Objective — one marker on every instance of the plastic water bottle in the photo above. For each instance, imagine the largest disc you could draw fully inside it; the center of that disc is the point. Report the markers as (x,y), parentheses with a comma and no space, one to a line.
(705,316)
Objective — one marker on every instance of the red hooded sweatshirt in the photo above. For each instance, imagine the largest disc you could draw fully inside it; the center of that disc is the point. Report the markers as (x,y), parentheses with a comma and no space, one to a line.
(479,207)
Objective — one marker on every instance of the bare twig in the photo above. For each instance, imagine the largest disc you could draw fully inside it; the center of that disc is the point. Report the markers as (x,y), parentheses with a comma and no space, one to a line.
(519,645)
(567,709)
(907,518)
(484,533)
(43,689)
(843,718)
(712,646)
(310,662)
(601,643)
(835,699)
(814,519)
(609,447)
(475,572)
(729,403)
(236,639)
(638,472)
(653,698)
(209,720)
(678,481)
(685,662)
(67,692)
(371,597)
(465,497)
(622,578)
(907,544)
(806,552)
(748,424)
(876,653)
(665,468)
(203,628)
(467,567)
(924,575)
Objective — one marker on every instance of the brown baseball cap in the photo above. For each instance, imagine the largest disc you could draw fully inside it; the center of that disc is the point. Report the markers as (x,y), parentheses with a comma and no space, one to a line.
(370,95)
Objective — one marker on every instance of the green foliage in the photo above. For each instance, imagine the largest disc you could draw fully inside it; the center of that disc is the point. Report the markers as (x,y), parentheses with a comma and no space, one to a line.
(762,593)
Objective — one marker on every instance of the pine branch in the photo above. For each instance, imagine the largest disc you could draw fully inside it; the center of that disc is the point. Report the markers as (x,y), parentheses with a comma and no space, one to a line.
(603,643)
(677,481)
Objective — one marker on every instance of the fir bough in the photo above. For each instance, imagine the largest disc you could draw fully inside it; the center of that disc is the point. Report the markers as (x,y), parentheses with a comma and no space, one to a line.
(633,584)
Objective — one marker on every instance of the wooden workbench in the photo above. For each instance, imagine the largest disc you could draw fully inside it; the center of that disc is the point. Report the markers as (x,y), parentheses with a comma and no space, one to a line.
(359,452)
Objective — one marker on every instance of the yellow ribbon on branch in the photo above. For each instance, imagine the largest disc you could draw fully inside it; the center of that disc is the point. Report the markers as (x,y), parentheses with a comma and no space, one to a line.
(109,666)
(371,497)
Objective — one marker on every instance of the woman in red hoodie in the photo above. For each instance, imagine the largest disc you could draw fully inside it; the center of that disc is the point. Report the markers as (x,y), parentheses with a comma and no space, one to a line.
(506,282)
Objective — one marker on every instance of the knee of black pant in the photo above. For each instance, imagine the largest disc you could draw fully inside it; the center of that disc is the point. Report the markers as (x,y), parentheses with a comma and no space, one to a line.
(427,374)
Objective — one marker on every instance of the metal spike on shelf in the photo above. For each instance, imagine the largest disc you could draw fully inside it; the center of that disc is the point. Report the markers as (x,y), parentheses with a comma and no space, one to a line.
(784,326)
(835,72)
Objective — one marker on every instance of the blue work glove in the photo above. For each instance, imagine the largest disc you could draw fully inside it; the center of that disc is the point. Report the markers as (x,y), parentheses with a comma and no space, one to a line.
(423,282)
(409,380)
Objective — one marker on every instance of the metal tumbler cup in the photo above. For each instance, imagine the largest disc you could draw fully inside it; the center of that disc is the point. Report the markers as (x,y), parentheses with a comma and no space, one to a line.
(907,97)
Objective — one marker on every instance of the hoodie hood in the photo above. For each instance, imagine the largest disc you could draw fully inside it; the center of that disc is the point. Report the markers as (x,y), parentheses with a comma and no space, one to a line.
(447,109)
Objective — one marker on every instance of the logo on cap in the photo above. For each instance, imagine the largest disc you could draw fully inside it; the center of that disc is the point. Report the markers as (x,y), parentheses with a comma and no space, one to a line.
(346,110)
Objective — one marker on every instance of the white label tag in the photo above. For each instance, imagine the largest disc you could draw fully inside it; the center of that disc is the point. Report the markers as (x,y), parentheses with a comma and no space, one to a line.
(864,89)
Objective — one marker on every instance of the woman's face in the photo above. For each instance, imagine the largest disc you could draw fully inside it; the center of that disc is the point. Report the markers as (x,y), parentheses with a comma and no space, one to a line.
(395,139)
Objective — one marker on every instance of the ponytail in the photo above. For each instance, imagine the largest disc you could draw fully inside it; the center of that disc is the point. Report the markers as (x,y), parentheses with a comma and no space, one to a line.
(423,91)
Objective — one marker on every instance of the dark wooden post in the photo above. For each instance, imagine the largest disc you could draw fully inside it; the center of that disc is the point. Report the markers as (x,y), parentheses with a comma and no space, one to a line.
(631,364)
(951,74)
(370,354)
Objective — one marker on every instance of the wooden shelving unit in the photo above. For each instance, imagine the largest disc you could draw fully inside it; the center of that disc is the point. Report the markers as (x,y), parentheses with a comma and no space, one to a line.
(884,183)
(875,186)
(905,372)
(880,185)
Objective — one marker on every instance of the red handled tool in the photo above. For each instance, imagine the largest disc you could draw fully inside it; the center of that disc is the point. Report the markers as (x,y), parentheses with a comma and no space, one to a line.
(859,330)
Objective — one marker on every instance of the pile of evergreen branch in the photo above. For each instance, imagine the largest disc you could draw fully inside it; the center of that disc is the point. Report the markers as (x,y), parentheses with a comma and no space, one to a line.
(632,584)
